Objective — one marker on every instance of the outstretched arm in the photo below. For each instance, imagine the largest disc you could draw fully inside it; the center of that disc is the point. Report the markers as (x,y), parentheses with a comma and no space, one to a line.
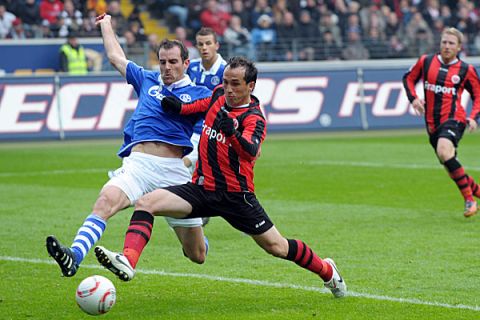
(114,51)
(172,104)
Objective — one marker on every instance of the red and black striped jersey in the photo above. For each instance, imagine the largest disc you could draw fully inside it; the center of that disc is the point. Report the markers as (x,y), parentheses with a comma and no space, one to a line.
(443,85)
(226,163)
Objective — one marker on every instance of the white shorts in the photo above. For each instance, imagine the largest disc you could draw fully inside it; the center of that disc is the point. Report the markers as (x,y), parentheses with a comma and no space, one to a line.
(142,173)
(193,156)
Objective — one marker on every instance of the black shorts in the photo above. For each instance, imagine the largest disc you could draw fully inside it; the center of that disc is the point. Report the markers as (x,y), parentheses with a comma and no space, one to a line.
(241,209)
(450,129)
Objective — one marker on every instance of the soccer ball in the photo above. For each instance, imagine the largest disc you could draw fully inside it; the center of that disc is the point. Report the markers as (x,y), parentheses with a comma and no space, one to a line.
(95,295)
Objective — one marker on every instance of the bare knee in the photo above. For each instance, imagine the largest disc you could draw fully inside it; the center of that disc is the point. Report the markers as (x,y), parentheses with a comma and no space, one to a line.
(272,242)
(444,154)
(145,203)
(445,150)
(110,201)
(197,255)
(103,208)
(276,249)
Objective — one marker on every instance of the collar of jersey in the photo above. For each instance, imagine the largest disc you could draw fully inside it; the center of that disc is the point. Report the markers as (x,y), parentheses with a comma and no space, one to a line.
(185,81)
(214,68)
(238,107)
(439,57)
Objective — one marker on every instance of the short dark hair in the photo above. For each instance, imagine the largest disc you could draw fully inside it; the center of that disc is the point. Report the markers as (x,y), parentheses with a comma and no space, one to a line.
(169,44)
(242,62)
(205,31)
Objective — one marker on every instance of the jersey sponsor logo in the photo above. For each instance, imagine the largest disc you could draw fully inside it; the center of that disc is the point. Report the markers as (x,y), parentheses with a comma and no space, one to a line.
(155,91)
(235,123)
(213,134)
(215,80)
(185,97)
(456,79)
(440,89)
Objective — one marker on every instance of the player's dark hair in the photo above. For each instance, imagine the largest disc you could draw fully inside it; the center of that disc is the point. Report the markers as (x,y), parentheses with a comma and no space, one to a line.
(242,62)
(169,44)
(205,31)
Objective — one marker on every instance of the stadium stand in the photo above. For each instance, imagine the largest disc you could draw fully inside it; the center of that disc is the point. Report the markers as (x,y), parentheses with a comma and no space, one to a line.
(276,30)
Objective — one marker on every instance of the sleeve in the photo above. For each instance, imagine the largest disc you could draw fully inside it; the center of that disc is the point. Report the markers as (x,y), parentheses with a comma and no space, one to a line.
(135,75)
(411,77)
(247,143)
(472,85)
(202,105)
(197,106)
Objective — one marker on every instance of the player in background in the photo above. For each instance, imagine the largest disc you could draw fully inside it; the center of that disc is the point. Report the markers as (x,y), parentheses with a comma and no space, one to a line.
(445,77)
(152,151)
(205,71)
(222,183)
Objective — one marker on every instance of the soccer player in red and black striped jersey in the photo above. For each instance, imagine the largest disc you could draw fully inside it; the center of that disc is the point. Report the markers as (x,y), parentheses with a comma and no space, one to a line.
(222,184)
(445,77)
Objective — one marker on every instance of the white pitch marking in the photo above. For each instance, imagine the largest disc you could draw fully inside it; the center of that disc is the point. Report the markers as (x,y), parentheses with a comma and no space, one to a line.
(383,165)
(51,172)
(414,166)
(263,284)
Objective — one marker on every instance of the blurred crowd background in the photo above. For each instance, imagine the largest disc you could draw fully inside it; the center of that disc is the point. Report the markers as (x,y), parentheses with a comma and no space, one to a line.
(263,30)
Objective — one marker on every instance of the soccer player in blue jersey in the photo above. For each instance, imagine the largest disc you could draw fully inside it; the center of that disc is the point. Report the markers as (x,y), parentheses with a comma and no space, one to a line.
(154,144)
(205,71)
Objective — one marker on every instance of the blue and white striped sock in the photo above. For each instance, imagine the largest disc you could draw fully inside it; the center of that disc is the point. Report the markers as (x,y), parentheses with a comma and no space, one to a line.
(89,233)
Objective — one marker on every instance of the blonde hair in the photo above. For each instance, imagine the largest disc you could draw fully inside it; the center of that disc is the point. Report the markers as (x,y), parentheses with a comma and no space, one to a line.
(454,32)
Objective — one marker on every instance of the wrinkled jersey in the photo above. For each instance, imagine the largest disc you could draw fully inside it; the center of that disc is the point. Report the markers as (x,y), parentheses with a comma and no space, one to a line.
(207,78)
(149,122)
(226,163)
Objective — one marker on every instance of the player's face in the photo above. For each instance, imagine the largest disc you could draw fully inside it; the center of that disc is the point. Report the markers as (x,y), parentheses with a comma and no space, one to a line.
(207,47)
(172,68)
(449,47)
(237,91)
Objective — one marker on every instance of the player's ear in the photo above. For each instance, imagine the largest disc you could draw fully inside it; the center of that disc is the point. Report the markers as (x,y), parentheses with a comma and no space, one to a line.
(186,63)
(251,86)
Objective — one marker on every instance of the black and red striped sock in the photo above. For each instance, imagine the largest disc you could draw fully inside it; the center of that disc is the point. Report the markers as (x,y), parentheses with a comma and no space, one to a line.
(458,175)
(138,234)
(474,186)
(301,254)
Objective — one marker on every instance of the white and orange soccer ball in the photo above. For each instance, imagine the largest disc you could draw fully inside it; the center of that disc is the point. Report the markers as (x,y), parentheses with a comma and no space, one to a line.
(95,295)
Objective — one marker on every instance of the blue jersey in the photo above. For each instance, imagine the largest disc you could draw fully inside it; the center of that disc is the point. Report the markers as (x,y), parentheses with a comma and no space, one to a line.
(149,122)
(206,78)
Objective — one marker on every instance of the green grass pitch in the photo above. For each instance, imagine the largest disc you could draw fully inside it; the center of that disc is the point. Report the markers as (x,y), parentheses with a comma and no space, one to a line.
(378,203)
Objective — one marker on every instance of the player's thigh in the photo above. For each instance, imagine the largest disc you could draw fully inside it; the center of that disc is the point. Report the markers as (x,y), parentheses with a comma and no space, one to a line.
(162,202)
